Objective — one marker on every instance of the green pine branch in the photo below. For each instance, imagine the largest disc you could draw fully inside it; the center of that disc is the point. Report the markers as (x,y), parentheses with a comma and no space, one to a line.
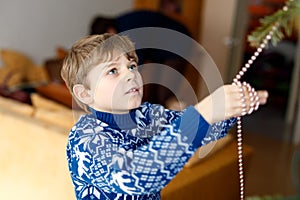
(286,20)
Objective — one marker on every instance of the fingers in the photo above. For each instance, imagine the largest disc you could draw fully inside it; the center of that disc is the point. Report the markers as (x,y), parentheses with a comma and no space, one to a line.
(263,96)
(250,100)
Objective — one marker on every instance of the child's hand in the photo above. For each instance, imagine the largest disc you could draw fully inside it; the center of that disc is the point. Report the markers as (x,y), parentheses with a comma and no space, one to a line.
(228,101)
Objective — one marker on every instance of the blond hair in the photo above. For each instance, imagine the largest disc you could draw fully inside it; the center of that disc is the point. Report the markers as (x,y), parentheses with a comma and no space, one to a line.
(89,52)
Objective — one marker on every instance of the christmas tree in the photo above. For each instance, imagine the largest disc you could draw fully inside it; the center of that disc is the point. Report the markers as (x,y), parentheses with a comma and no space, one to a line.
(279,24)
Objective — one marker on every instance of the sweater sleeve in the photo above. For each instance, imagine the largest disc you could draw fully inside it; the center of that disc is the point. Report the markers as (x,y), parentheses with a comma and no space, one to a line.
(133,165)
(218,130)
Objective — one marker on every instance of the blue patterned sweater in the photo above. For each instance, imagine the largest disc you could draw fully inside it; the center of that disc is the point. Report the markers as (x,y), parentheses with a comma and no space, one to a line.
(133,156)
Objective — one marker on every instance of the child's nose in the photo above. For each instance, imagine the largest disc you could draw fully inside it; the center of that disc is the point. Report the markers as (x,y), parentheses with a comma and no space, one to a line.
(130,75)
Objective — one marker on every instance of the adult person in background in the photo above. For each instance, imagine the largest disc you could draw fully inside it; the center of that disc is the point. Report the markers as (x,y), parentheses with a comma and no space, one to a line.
(153,92)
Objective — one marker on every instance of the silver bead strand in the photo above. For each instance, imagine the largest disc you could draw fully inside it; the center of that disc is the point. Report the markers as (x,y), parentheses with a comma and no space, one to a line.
(254,99)
(254,104)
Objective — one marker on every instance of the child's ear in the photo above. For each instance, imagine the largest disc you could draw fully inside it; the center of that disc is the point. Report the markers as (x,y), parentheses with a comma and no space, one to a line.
(83,94)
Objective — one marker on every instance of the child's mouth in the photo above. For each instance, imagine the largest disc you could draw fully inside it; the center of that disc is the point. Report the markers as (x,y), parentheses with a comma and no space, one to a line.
(133,91)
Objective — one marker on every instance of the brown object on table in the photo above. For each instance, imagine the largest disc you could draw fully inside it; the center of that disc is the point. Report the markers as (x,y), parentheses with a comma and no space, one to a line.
(53,68)
(57,92)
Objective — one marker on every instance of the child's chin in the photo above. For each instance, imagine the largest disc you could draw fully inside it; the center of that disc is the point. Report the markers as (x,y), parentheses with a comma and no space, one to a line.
(132,104)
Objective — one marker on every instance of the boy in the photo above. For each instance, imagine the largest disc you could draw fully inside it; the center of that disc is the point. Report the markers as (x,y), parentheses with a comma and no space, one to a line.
(126,149)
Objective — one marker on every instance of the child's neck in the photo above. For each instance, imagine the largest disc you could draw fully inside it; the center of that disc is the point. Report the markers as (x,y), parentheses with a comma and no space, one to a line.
(116,120)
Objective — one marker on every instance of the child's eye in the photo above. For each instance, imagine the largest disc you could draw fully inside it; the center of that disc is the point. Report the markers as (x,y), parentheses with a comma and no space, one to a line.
(112,71)
(132,67)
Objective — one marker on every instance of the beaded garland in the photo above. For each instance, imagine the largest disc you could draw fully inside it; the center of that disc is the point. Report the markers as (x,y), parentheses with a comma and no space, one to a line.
(253,98)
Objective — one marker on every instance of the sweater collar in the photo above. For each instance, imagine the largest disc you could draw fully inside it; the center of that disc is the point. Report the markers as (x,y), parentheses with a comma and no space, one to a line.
(121,121)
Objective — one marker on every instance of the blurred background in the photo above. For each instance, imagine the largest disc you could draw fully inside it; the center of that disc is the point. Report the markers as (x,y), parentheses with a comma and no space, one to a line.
(36,107)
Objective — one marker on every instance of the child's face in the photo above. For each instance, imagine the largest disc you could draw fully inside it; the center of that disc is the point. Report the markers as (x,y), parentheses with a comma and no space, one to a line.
(116,86)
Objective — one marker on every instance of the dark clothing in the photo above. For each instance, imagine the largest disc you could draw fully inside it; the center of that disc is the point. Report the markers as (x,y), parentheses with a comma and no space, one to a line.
(146,18)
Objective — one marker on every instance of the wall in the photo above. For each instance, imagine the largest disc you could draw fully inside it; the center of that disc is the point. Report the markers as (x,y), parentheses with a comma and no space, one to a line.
(37,27)
(217,27)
